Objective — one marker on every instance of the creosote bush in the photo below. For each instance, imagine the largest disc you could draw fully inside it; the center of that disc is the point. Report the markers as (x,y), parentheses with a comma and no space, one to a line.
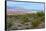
(10,22)
(36,22)
(24,19)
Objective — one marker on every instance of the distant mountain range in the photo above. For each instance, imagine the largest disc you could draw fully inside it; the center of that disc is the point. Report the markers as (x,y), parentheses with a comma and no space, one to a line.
(20,10)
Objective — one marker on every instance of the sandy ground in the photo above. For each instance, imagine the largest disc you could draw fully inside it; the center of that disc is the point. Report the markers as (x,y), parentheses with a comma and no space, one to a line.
(30,30)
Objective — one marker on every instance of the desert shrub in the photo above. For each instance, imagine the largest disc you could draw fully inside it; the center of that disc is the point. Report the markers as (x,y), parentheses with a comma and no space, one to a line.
(43,18)
(40,14)
(10,22)
(35,22)
(24,19)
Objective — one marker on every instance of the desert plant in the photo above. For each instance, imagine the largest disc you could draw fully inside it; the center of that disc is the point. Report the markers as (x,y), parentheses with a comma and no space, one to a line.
(24,19)
(9,22)
(35,22)
(40,14)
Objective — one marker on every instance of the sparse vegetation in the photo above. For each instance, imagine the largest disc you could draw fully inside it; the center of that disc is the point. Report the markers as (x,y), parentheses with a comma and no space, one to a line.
(36,22)
(34,19)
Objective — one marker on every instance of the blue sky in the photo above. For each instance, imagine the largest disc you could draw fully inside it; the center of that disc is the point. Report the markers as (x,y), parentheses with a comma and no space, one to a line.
(36,6)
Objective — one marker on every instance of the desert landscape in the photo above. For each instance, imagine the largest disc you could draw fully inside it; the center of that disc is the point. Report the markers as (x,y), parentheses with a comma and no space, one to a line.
(19,18)
(25,20)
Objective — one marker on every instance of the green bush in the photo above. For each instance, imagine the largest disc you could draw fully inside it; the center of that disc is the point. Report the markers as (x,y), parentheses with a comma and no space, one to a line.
(24,19)
(35,22)
(40,14)
(10,22)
